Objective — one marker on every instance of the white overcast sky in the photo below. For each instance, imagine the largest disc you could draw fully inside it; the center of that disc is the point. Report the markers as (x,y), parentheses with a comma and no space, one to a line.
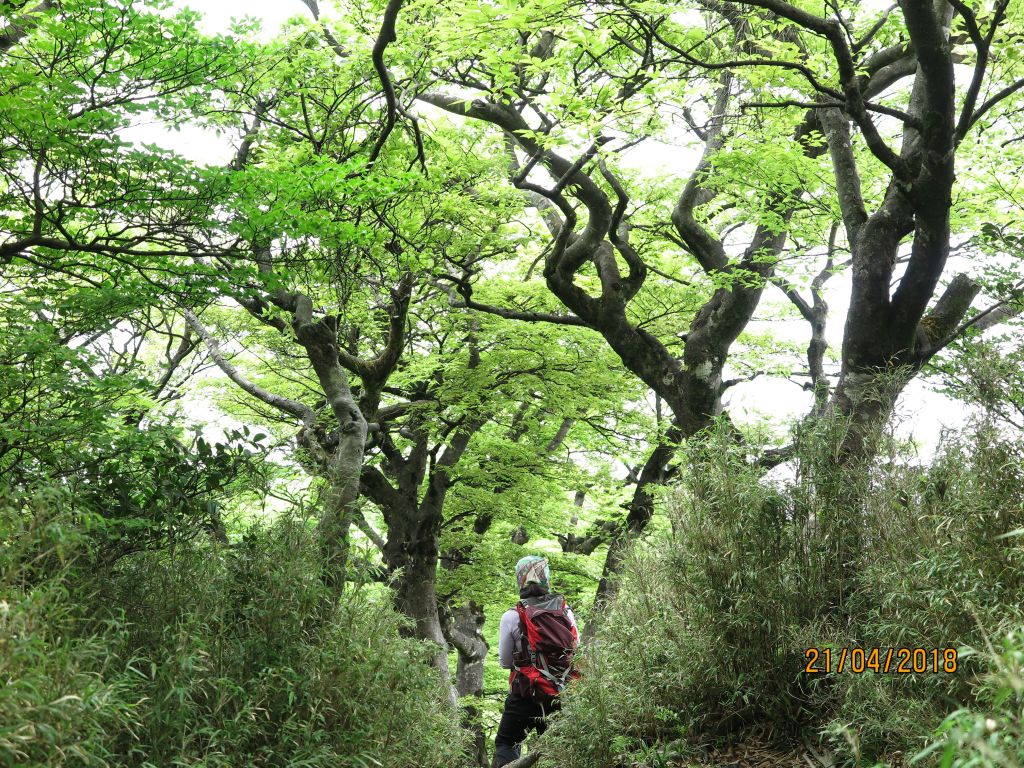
(923,413)
(271,13)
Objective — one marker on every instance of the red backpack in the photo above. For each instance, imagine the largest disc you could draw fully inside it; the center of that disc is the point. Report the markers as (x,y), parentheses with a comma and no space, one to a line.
(542,666)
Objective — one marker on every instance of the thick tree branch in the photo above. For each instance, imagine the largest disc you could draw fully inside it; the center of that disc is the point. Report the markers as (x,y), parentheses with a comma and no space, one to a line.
(931,191)
(368,530)
(938,327)
(376,488)
(844,166)
(706,248)
(380,367)
(386,36)
(470,645)
(526,761)
(465,290)
(563,432)
(618,234)
(16,31)
(241,158)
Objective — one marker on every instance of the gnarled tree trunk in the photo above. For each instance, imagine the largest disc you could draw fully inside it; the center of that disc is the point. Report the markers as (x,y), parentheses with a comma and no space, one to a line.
(464,630)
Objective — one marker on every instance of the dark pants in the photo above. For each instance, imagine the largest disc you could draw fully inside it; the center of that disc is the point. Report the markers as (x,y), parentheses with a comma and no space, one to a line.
(519,717)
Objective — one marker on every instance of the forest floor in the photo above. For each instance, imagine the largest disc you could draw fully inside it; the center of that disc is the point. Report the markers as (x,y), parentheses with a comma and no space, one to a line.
(753,753)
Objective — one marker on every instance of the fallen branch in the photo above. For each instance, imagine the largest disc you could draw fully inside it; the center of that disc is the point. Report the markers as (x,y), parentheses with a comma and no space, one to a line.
(525,762)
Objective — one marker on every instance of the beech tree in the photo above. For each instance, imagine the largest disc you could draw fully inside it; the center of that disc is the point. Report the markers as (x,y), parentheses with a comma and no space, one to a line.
(571,86)
(95,233)
(341,256)
(476,161)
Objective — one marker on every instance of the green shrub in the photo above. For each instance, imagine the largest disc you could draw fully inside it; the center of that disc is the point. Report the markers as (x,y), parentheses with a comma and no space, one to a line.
(706,637)
(61,693)
(938,573)
(703,636)
(989,734)
(247,658)
(213,656)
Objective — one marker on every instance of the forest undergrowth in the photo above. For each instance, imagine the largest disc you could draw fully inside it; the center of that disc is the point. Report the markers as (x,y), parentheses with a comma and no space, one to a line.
(202,654)
(707,640)
(313,328)
(208,654)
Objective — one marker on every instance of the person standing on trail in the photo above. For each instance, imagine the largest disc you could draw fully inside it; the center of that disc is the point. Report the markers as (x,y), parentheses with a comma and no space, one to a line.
(536,642)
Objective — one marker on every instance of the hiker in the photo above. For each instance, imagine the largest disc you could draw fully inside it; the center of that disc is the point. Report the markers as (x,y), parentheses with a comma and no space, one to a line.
(536,642)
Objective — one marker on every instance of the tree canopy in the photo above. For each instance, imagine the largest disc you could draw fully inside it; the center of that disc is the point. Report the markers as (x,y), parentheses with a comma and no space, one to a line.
(477,280)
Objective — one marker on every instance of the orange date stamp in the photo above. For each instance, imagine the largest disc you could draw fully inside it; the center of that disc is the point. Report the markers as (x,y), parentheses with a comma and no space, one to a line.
(900,661)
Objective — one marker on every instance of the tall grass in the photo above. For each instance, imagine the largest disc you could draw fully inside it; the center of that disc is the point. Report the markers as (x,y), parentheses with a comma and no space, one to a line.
(990,732)
(215,656)
(707,637)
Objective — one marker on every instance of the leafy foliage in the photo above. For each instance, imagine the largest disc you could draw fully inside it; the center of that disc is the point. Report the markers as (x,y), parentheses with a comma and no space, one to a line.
(988,733)
(441,269)
(210,655)
(708,633)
